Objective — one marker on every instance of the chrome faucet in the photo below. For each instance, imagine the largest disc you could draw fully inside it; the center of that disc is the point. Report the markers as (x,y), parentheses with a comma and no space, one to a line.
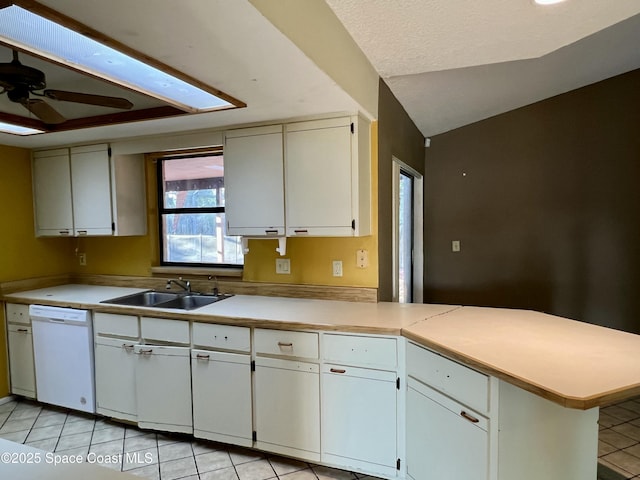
(184,284)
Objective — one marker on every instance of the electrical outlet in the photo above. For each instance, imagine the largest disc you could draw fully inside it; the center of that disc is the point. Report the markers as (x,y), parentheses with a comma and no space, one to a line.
(283,266)
(337,268)
(82,259)
(455,245)
(362,258)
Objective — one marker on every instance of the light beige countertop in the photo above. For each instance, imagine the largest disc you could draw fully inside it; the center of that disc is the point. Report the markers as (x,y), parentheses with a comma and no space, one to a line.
(575,364)
(20,462)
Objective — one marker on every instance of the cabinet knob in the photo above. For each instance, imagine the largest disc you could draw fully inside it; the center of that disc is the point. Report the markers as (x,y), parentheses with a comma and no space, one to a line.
(466,416)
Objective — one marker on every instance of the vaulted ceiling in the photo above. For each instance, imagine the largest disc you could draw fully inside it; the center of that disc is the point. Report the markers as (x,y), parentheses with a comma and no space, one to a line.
(449,62)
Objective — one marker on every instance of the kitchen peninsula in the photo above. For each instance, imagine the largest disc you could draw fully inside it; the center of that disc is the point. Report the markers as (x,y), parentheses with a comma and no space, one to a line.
(520,390)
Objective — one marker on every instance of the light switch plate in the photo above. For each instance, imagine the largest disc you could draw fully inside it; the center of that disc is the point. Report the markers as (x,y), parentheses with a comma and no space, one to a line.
(283,266)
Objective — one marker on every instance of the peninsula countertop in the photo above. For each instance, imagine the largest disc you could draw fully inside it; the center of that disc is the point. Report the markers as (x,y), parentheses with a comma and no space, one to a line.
(575,364)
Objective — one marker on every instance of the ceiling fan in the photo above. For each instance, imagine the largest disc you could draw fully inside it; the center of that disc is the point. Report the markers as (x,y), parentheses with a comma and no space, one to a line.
(19,81)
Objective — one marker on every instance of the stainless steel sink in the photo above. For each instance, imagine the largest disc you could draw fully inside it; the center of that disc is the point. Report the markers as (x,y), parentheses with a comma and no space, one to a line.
(181,301)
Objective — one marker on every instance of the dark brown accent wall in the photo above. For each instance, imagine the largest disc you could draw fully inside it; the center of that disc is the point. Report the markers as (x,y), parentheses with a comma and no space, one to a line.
(397,136)
(545,201)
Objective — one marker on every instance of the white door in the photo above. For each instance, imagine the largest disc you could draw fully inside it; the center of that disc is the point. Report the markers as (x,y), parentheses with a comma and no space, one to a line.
(442,443)
(23,380)
(52,191)
(222,396)
(254,181)
(115,364)
(287,407)
(91,180)
(163,388)
(319,176)
(359,416)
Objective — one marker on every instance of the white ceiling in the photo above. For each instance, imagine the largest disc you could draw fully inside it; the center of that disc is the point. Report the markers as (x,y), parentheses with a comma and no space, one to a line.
(227,44)
(454,62)
(449,62)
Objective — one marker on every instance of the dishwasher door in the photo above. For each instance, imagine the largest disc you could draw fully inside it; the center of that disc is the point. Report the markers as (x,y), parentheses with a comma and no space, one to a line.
(63,357)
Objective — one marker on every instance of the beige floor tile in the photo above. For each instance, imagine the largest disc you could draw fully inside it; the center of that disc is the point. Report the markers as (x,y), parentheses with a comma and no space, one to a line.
(306,474)
(620,412)
(174,451)
(3,417)
(150,472)
(634,450)
(18,437)
(81,425)
(173,469)
(48,445)
(44,433)
(76,440)
(284,466)
(228,473)
(204,446)
(75,452)
(114,447)
(108,434)
(8,406)
(629,430)
(47,419)
(140,458)
(140,442)
(218,460)
(11,426)
(244,455)
(135,432)
(605,448)
(616,439)
(21,414)
(256,470)
(627,462)
(327,473)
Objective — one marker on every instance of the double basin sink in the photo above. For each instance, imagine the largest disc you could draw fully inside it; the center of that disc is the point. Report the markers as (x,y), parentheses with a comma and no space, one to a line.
(182,301)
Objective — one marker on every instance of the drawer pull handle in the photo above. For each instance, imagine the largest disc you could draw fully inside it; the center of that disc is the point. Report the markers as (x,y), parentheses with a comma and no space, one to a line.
(285,344)
(82,232)
(64,232)
(271,232)
(126,347)
(466,416)
(337,370)
(301,232)
(201,356)
(148,351)
(22,330)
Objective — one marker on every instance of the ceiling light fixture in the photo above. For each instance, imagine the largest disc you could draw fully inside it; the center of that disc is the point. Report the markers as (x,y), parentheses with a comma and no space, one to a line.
(27,31)
(18,129)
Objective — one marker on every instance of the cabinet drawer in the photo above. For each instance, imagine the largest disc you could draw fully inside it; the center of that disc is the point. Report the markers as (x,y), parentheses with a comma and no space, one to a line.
(464,384)
(164,330)
(361,350)
(225,337)
(287,343)
(17,313)
(112,324)
(19,329)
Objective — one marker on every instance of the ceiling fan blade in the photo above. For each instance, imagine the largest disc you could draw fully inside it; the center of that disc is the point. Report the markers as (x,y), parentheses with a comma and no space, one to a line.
(89,99)
(43,111)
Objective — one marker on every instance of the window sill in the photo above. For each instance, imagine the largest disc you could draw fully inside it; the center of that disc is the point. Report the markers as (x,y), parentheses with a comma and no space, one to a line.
(212,271)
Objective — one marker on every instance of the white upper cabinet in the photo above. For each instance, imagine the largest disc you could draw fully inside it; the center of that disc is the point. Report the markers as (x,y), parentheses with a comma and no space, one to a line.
(85,191)
(310,178)
(327,175)
(52,193)
(254,181)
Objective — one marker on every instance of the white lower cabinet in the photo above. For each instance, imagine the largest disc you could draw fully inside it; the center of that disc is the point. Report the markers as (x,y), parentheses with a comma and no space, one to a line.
(23,380)
(445,440)
(287,407)
(163,388)
(222,396)
(115,365)
(115,371)
(359,419)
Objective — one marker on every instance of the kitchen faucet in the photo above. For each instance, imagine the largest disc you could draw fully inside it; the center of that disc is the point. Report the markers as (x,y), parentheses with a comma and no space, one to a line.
(184,284)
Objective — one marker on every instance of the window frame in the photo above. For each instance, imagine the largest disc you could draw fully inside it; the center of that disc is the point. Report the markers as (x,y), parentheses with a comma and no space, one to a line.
(159,159)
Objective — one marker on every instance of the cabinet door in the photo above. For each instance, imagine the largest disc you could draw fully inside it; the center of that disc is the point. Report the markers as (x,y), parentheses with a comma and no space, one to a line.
(253,178)
(221,385)
(319,178)
(91,179)
(359,418)
(163,388)
(52,193)
(444,440)
(115,371)
(287,407)
(21,365)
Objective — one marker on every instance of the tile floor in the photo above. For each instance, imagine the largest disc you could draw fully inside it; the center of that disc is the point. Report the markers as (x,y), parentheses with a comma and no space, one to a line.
(171,457)
(147,454)
(619,439)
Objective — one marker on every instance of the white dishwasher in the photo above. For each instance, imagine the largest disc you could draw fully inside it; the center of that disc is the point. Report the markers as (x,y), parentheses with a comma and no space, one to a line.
(63,356)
